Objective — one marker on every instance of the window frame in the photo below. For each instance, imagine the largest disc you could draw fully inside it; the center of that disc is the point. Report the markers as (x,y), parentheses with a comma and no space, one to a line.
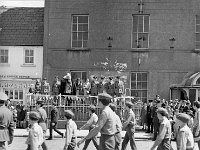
(143,15)
(141,89)
(82,47)
(29,49)
(196,32)
(76,71)
(4,56)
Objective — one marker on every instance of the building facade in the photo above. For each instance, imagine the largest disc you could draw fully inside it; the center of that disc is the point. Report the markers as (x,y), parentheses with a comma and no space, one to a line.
(152,44)
(21,50)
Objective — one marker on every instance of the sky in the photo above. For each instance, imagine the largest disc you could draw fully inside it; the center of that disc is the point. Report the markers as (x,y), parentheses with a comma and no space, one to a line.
(22,3)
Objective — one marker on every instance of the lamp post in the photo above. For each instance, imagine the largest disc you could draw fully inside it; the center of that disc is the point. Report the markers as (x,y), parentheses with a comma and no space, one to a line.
(110,40)
(172,40)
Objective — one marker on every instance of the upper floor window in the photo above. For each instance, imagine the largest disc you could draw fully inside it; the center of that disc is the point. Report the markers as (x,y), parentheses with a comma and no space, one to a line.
(29,56)
(79,74)
(140,32)
(197,32)
(80,27)
(3,56)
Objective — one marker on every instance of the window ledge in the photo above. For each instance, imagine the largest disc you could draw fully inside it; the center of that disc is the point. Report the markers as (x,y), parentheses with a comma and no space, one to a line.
(4,65)
(79,49)
(28,65)
(139,50)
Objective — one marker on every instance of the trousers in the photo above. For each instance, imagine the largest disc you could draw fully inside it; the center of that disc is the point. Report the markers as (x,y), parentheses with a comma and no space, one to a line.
(107,142)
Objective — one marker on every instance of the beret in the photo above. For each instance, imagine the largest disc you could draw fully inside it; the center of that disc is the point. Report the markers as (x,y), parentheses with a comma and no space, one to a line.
(183,117)
(162,110)
(129,104)
(104,97)
(3,96)
(113,106)
(33,115)
(92,107)
(69,113)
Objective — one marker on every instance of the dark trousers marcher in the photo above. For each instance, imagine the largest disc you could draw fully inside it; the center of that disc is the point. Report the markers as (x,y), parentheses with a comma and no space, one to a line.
(94,140)
(118,139)
(129,136)
(107,142)
(156,130)
(2,146)
(55,129)
(149,125)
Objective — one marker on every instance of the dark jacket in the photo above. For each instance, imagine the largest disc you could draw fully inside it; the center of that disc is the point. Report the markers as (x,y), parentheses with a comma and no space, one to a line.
(6,124)
(54,115)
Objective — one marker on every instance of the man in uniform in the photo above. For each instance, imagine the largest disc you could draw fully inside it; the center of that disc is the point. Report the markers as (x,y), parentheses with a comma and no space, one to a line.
(6,123)
(54,121)
(109,86)
(106,125)
(45,87)
(101,85)
(93,90)
(129,126)
(89,126)
(42,120)
(118,87)
(163,140)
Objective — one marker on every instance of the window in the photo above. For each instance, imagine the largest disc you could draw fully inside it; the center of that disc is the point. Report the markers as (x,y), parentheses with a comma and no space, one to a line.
(3,56)
(79,74)
(140,31)
(197,32)
(15,94)
(139,85)
(29,56)
(80,31)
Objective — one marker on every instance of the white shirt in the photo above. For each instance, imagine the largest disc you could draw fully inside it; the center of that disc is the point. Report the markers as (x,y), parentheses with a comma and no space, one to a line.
(71,129)
(91,122)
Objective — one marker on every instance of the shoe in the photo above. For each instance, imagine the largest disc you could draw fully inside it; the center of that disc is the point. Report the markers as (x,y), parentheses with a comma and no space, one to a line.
(49,139)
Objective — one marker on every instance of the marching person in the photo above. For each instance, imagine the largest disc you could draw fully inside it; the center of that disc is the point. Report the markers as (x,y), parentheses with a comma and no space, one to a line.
(106,125)
(70,134)
(196,126)
(163,140)
(89,126)
(185,140)
(35,136)
(42,120)
(54,122)
(129,126)
(118,137)
(6,123)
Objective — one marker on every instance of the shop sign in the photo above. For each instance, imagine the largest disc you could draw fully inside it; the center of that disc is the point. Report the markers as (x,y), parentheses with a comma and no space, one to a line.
(15,85)
(15,76)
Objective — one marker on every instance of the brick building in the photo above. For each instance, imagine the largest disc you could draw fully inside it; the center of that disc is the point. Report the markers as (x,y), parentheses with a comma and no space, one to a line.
(153,44)
(21,50)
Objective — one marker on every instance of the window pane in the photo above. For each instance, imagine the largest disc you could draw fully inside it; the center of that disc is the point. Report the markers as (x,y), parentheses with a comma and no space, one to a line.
(144,77)
(133,85)
(139,85)
(80,36)
(80,27)
(26,60)
(11,94)
(6,59)
(197,36)
(144,85)
(79,44)
(139,93)
(146,23)
(144,93)
(76,75)
(134,40)
(139,77)
(133,76)
(31,52)
(85,44)
(197,19)
(140,24)
(20,94)
(85,27)
(6,52)
(16,94)
(31,59)
(134,93)
(143,40)
(2,52)
(74,27)
(27,53)
(74,43)
(82,19)
(85,36)
(197,45)
(74,36)
(84,76)
(74,18)
(135,22)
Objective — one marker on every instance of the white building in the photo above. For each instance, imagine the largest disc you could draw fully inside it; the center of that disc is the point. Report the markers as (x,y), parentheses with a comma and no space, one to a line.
(21,50)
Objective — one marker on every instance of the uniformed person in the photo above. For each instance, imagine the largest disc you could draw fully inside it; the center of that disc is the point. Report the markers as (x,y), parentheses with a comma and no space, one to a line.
(45,87)
(70,134)
(163,140)
(109,86)
(100,86)
(185,140)
(129,126)
(42,120)
(118,137)
(89,126)
(35,136)
(106,125)
(118,87)
(94,89)
(6,123)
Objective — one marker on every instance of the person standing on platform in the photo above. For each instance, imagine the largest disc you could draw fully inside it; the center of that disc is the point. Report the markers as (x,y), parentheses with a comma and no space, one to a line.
(94,90)
(56,86)
(118,87)
(6,123)
(42,120)
(101,85)
(163,140)
(35,136)
(129,126)
(45,87)
(54,122)
(71,128)
(118,137)
(106,125)
(149,117)
(185,140)
(89,126)
(109,86)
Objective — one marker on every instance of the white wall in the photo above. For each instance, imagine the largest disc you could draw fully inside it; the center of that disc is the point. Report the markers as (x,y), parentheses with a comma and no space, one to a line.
(16,60)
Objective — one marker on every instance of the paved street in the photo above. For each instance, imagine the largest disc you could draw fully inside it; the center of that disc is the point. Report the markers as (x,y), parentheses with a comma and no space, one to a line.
(58,143)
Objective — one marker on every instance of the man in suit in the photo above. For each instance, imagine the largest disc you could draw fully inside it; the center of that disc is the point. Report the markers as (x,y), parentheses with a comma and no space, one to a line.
(42,120)
(54,121)
(6,123)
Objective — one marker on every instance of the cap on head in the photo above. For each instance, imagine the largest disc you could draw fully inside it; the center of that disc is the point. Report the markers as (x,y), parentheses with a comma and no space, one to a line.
(129,104)
(3,97)
(104,98)
(183,117)
(33,115)
(162,111)
(69,114)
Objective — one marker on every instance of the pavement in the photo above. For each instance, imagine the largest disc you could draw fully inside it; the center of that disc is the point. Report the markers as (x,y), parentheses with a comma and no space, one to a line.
(139,134)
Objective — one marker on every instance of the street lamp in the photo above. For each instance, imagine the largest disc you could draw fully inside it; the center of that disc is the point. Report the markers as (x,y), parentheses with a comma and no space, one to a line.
(172,40)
